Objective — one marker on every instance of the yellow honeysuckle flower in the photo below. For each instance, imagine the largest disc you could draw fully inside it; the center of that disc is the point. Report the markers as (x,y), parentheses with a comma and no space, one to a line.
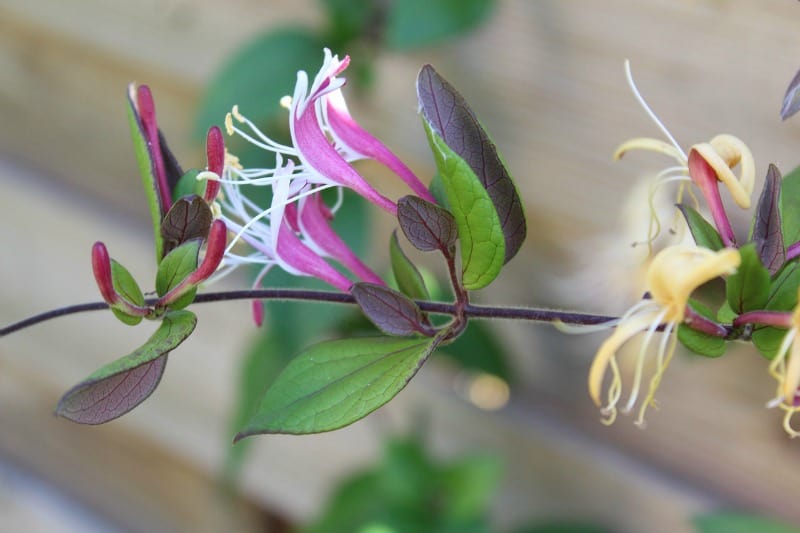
(672,277)
(722,153)
(787,373)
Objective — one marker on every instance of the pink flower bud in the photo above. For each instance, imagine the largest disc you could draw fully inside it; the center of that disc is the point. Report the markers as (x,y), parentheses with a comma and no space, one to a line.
(147,114)
(215,249)
(215,152)
(101,266)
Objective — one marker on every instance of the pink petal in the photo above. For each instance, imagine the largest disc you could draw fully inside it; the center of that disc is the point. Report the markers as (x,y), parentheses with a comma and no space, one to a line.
(359,140)
(299,257)
(317,152)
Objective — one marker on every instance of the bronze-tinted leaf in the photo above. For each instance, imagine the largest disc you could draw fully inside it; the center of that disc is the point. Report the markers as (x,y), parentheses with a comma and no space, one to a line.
(392,312)
(791,100)
(451,118)
(188,218)
(767,233)
(427,226)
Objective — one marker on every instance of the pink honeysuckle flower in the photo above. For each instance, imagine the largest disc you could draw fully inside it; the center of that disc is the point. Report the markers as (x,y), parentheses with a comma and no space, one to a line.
(325,139)
(290,241)
(313,221)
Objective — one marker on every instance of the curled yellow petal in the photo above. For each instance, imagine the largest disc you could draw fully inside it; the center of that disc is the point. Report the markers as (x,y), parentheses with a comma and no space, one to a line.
(649,144)
(624,332)
(676,272)
(723,153)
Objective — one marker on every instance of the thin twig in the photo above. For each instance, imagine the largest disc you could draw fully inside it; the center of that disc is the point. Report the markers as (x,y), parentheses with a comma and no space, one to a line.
(472,311)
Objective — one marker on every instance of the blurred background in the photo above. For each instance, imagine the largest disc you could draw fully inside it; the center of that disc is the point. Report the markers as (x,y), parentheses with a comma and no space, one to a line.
(454,451)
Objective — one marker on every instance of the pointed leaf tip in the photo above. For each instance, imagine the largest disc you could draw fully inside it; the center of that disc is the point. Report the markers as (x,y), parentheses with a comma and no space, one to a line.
(767,231)
(450,117)
(335,383)
(791,100)
(392,312)
(427,226)
(118,387)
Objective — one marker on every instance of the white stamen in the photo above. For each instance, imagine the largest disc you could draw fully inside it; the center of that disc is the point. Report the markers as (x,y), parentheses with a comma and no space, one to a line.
(649,111)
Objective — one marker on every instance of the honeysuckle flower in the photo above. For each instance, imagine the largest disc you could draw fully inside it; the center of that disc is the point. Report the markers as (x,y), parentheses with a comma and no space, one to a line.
(707,165)
(325,139)
(785,368)
(101,268)
(673,275)
(292,233)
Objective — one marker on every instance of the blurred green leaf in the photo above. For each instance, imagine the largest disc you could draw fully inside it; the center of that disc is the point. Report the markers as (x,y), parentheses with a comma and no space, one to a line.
(408,278)
(349,20)
(790,199)
(188,185)
(697,341)
(748,288)
(734,522)
(335,383)
(126,286)
(782,297)
(704,234)
(411,492)
(417,23)
(118,387)
(480,349)
(256,77)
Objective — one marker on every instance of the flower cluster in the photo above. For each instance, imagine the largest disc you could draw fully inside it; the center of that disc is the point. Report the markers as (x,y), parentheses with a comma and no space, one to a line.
(293,231)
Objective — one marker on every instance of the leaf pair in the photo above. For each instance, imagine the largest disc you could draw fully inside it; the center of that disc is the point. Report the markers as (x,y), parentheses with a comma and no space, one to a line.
(480,192)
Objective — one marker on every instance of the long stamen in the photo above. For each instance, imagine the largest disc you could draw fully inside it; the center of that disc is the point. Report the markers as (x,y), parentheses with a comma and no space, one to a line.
(649,111)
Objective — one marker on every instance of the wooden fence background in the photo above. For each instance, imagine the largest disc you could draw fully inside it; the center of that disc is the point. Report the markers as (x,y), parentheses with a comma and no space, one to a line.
(546,78)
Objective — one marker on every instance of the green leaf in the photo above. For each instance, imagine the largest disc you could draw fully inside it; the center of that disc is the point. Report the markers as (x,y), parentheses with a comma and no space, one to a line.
(449,116)
(257,76)
(126,286)
(704,234)
(175,267)
(697,341)
(782,297)
(479,230)
(349,20)
(417,23)
(734,522)
(118,387)
(767,341)
(480,349)
(725,315)
(790,199)
(148,173)
(188,185)
(335,383)
(748,289)
(408,278)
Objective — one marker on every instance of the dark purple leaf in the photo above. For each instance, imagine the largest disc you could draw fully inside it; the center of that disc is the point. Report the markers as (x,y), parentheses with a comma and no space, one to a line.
(104,400)
(121,385)
(791,101)
(767,224)
(188,218)
(427,226)
(392,312)
(451,118)
(171,165)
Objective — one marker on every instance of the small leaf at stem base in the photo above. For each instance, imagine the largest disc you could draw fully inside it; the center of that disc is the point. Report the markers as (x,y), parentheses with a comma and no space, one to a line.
(118,387)
(392,312)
